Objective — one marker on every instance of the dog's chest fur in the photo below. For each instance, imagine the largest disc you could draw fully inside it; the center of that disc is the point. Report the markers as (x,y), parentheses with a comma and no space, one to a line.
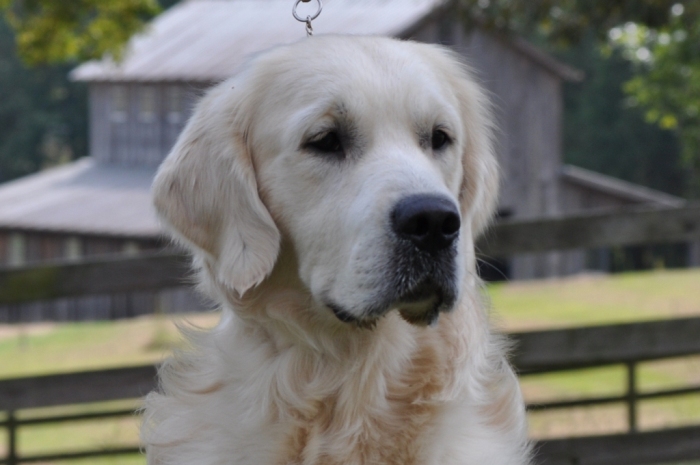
(390,421)
(394,395)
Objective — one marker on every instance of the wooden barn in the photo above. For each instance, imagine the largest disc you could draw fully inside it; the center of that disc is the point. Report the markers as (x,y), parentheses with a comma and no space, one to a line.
(100,204)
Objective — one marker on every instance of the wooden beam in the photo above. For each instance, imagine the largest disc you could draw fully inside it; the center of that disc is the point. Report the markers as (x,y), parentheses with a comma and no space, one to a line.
(623,449)
(76,388)
(93,276)
(643,225)
(540,351)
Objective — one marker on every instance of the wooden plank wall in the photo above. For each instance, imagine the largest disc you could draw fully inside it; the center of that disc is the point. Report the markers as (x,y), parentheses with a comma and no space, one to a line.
(36,247)
(138,123)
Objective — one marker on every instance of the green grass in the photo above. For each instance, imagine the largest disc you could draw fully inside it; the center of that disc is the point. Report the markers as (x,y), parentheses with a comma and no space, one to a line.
(29,350)
(596,299)
(51,348)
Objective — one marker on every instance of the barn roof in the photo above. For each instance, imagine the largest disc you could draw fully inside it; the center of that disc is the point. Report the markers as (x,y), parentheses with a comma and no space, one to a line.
(207,40)
(615,187)
(82,197)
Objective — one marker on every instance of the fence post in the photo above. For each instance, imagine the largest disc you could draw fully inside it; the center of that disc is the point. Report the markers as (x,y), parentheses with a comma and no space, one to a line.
(12,438)
(632,396)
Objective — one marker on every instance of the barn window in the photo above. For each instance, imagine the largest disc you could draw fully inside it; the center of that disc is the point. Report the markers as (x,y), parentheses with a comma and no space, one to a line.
(73,248)
(174,102)
(17,250)
(130,248)
(147,104)
(120,104)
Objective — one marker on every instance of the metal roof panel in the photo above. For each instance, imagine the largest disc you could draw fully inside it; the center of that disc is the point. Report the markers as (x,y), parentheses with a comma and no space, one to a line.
(206,40)
(82,197)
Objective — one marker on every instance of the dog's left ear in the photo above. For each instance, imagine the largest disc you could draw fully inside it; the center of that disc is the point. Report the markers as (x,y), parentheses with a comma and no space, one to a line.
(480,181)
(206,194)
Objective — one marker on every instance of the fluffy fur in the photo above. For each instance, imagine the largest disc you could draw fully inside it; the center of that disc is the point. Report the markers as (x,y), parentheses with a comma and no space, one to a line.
(281,232)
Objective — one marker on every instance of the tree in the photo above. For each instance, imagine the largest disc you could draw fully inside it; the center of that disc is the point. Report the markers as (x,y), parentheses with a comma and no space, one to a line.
(43,116)
(50,31)
(667,81)
(565,22)
(606,132)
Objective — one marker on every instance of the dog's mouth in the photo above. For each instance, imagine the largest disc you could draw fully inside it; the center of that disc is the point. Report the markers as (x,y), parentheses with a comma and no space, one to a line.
(421,305)
(365,322)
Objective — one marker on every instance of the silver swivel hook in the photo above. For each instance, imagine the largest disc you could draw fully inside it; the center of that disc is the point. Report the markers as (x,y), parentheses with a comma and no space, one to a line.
(309,18)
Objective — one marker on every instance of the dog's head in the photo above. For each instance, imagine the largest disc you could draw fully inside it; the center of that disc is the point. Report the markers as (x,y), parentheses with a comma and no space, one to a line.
(370,157)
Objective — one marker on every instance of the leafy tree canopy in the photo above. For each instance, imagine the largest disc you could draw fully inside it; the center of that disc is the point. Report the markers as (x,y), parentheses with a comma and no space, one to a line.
(565,22)
(667,82)
(50,31)
(42,114)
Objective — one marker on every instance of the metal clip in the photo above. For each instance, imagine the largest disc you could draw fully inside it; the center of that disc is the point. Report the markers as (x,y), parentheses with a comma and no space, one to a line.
(309,18)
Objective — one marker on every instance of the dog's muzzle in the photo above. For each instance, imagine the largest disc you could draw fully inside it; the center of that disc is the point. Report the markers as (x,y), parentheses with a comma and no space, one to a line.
(427,227)
(421,273)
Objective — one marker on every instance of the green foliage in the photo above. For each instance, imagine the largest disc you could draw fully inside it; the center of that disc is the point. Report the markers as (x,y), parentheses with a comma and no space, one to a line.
(50,31)
(43,116)
(605,131)
(566,22)
(667,80)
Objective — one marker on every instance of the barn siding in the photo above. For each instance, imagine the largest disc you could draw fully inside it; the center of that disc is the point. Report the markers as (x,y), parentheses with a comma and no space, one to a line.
(23,247)
(99,122)
(137,123)
(528,111)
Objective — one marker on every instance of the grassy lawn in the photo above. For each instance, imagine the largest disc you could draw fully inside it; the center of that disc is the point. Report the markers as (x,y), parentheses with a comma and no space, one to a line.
(588,300)
(596,299)
(32,349)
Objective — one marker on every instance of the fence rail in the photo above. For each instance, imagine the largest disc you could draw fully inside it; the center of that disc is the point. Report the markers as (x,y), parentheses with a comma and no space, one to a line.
(626,344)
(167,270)
(537,352)
(104,275)
(634,226)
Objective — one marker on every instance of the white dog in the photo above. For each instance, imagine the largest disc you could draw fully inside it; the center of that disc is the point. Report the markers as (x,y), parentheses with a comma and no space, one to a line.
(330,194)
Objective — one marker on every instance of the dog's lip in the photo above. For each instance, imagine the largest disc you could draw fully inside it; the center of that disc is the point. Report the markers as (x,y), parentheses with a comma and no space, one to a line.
(423,291)
(419,306)
(347,317)
(342,314)
(423,310)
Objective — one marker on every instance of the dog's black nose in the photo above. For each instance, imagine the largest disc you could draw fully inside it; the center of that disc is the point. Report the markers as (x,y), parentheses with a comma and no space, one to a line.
(431,222)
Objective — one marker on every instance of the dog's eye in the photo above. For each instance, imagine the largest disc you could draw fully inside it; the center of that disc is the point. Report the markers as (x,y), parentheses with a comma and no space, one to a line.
(440,139)
(329,143)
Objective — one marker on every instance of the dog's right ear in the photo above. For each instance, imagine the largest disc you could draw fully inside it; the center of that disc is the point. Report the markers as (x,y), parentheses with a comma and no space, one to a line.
(206,194)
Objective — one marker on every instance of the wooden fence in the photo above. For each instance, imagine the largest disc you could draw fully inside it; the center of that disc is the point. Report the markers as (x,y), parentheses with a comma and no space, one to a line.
(537,352)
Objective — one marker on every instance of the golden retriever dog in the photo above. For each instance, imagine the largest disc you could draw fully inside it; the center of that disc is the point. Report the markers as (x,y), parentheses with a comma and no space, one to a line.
(330,194)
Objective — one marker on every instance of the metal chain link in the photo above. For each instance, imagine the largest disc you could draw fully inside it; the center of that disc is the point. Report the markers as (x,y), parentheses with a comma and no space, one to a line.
(309,18)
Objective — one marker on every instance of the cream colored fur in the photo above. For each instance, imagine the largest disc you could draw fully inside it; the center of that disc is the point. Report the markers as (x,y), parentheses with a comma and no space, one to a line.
(274,229)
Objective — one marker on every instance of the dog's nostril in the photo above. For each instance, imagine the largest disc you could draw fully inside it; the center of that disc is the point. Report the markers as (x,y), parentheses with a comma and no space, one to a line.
(431,222)
(420,226)
(451,224)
